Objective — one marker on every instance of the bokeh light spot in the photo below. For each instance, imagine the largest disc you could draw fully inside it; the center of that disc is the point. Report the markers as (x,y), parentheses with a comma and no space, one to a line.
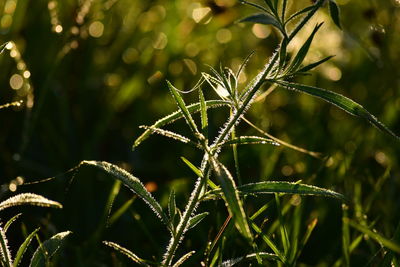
(96,29)
(16,81)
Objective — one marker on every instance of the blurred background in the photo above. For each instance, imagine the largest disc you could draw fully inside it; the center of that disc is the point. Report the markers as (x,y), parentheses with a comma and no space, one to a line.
(90,72)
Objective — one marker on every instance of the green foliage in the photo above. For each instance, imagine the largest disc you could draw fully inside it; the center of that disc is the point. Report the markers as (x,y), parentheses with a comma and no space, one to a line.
(84,89)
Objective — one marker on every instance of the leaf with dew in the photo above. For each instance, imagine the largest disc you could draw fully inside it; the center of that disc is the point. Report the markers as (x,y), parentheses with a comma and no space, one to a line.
(29,199)
(132,183)
(48,249)
(22,249)
(340,101)
(232,199)
(193,108)
(126,252)
(5,254)
(183,258)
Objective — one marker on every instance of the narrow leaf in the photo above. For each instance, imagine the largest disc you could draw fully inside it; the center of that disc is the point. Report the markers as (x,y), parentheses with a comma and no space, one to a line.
(270,187)
(315,64)
(203,114)
(118,213)
(5,251)
(334,12)
(132,183)
(126,252)
(341,101)
(196,170)
(298,59)
(232,199)
(29,199)
(10,221)
(298,13)
(171,135)
(48,249)
(306,237)
(23,247)
(269,242)
(377,237)
(193,108)
(182,106)
(262,18)
(183,259)
(263,255)
(249,140)
(171,205)
(196,219)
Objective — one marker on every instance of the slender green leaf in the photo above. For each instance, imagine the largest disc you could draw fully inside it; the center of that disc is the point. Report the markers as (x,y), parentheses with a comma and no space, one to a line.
(193,108)
(262,18)
(126,252)
(232,199)
(23,247)
(217,84)
(118,213)
(132,183)
(334,12)
(282,53)
(263,255)
(298,59)
(375,236)
(203,114)
(171,135)
(306,237)
(182,106)
(269,187)
(48,249)
(29,199)
(313,65)
(282,227)
(300,12)
(10,221)
(5,254)
(196,170)
(171,205)
(341,101)
(249,140)
(183,258)
(269,242)
(196,219)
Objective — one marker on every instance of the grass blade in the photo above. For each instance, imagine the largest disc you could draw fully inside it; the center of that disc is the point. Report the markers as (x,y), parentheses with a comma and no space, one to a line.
(203,114)
(263,255)
(249,140)
(10,221)
(132,183)
(269,242)
(334,12)
(298,59)
(270,187)
(314,65)
(23,247)
(5,251)
(49,247)
(2,47)
(183,259)
(118,213)
(282,227)
(298,13)
(171,135)
(182,106)
(198,172)
(232,199)
(172,205)
(345,236)
(29,199)
(126,252)
(193,108)
(375,236)
(310,229)
(197,219)
(340,101)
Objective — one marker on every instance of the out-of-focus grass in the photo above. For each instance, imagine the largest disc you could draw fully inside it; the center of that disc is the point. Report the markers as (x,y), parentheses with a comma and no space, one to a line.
(88,85)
